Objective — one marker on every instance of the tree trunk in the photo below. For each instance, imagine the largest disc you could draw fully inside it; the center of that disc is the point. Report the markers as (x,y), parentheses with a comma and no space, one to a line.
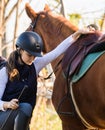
(62,10)
(1,23)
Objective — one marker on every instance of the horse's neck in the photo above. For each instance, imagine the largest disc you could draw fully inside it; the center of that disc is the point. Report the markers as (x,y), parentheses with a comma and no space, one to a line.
(54,29)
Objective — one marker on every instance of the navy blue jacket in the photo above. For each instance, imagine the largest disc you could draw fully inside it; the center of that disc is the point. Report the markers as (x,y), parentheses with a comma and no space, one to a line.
(14,88)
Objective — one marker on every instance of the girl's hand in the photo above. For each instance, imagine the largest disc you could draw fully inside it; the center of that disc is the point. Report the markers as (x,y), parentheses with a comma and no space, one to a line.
(13,104)
(85,31)
(78,33)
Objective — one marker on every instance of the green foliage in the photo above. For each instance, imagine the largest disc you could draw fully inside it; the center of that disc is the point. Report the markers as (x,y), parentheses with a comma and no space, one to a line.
(75,18)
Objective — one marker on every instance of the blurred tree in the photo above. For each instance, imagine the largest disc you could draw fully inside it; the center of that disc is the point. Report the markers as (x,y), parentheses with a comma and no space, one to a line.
(62,10)
(57,6)
(75,18)
(102,23)
(9,8)
(16,22)
(3,20)
(2,9)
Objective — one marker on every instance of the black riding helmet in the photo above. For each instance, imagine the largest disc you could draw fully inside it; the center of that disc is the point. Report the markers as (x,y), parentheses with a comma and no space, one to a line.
(30,42)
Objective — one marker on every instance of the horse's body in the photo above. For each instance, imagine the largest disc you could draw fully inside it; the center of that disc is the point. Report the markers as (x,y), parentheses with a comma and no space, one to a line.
(89,92)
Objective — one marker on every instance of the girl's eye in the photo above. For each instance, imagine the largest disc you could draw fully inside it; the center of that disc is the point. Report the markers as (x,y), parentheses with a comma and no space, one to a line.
(29,55)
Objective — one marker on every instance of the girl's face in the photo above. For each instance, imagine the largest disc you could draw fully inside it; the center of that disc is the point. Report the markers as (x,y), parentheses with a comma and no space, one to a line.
(26,57)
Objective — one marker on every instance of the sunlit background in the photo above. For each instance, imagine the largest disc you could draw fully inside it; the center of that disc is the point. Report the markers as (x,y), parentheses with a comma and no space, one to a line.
(13,21)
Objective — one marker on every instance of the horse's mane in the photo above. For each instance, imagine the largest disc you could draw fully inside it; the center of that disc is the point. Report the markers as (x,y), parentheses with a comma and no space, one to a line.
(60,23)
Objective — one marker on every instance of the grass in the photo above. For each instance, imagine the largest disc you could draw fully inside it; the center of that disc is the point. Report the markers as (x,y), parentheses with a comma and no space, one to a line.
(44,117)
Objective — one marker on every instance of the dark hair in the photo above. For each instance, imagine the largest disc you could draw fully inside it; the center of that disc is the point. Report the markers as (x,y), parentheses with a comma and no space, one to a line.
(11,65)
(94,26)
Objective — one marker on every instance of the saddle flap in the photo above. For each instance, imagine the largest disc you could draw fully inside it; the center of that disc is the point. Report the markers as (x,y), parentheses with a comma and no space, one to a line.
(76,53)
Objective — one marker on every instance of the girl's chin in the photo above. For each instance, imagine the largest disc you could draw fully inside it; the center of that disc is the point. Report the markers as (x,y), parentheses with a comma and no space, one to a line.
(29,63)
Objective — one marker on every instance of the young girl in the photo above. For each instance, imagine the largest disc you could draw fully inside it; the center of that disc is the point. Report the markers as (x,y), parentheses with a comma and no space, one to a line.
(18,79)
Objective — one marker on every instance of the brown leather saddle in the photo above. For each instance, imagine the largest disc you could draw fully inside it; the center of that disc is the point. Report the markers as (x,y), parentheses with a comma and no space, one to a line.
(76,53)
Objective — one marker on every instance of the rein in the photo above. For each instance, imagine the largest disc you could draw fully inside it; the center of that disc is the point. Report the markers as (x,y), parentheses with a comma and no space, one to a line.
(33,25)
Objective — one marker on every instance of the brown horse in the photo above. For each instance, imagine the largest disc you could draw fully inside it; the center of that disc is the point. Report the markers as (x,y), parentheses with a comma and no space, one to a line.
(89,91)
